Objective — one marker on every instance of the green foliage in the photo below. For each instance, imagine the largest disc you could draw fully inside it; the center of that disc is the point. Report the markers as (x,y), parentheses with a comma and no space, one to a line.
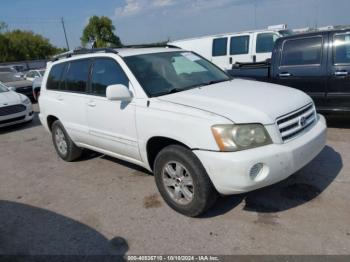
(101,30)
(20,45)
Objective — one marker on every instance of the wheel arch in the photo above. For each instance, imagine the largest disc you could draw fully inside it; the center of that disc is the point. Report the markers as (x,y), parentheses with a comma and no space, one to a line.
(156,144)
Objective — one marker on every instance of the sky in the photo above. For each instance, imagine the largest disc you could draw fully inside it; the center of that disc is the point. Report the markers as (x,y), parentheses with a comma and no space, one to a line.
(145,21)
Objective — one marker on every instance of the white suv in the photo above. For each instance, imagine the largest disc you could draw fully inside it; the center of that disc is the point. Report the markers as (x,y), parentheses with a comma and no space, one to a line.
(178,115)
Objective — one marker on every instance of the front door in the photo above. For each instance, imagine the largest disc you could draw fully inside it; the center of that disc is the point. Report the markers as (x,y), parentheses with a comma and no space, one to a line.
(112,124)
(303,65)
(338,95)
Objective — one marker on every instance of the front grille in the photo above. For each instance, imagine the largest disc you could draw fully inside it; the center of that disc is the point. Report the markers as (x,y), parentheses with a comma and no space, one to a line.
(9,110)
(12,120)
(294,123)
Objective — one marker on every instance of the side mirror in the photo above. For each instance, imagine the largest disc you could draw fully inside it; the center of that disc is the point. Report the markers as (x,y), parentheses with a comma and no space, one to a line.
(118,92)
(11,88)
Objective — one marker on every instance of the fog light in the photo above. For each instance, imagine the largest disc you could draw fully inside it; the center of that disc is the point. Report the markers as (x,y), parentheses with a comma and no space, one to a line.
(255,170)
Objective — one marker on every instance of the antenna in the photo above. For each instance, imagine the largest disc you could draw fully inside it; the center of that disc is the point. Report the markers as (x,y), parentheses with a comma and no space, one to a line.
(64,31)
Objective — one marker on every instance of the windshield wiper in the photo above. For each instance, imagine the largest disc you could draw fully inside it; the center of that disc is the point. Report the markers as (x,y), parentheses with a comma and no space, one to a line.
(169,91)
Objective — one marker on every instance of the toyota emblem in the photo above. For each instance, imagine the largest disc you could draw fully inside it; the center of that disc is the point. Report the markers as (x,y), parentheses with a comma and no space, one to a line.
(302,121)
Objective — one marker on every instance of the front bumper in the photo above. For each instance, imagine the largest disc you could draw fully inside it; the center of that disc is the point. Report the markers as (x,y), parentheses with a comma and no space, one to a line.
(17,118)
(230,171)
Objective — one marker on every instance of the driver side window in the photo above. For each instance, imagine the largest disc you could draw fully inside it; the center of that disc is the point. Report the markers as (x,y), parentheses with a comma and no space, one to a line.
(106,72)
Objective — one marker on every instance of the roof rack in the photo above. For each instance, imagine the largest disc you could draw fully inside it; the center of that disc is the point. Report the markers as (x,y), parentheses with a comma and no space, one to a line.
(150,46)
(82,51)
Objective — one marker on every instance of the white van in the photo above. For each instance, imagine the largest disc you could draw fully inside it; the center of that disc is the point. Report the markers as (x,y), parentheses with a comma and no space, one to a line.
(230,48)
(176,114)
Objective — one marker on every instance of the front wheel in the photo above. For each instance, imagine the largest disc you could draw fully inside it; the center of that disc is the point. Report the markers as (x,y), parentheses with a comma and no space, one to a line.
(183,182)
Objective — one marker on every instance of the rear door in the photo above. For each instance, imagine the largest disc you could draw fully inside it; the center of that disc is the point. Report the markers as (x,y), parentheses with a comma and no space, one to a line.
(220,52)
(338,95)
(67,87)
(241,49)
(303,65)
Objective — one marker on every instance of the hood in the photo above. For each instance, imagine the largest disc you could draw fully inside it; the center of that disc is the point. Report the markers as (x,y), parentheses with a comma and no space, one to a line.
(9,98)
(243,101)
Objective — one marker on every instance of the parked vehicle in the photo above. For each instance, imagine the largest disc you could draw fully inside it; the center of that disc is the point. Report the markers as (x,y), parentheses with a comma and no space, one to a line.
(33,74)
(36,88)
(227,49)
(18,84)
(11,69)
(14,108)
(317,63)
(176,114)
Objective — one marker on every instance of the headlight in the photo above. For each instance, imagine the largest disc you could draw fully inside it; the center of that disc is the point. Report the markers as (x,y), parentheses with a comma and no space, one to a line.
(240,137)
(26,101)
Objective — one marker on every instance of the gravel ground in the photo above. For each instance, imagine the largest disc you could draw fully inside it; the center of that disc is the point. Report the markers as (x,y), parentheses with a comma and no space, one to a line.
(100,205)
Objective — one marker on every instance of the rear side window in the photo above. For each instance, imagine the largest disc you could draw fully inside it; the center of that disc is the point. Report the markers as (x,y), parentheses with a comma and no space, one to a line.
(342,49)
(265,42)
(239,45)
(106,72)
(304,51)
(54,78)
(220,47)
(77,76)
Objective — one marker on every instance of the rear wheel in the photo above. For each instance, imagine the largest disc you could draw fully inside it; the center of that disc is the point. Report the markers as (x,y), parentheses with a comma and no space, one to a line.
(64,146)
(183,182)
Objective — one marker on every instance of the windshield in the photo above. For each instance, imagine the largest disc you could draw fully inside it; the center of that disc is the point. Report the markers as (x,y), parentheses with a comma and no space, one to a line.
(3,88)
(165,73)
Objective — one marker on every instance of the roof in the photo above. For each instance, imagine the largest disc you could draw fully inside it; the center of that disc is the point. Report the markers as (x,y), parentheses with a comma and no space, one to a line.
(123,52)
(315,32)
(229,34)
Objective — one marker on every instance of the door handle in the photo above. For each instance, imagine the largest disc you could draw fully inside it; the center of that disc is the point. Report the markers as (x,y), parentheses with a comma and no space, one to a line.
(341,73)
(230,60)
(59,98)
(91,103)
(284,74)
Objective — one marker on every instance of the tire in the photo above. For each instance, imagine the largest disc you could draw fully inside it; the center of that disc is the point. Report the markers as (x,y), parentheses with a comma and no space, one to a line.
(175,167)
(59,134)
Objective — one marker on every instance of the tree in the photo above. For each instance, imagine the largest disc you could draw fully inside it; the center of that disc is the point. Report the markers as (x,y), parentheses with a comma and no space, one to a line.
(19,45)
(101,30)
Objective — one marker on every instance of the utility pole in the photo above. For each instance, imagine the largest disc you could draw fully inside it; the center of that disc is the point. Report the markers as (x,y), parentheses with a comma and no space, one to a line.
(64,31)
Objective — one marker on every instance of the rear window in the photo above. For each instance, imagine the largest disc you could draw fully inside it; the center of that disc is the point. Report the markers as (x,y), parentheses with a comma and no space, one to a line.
(342,49)
(77,76)
(54,78)
(239,45)
(303,51)
(220,46)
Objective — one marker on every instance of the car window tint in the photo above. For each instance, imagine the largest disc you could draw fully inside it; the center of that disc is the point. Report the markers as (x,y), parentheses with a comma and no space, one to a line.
(77,76)
(239,45)
(303,51)
(54,78)
(219,47)
(265,42)
(342,49)
(106,72)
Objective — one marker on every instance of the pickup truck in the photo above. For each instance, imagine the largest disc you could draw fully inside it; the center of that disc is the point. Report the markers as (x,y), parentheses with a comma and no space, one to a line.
(317,63)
